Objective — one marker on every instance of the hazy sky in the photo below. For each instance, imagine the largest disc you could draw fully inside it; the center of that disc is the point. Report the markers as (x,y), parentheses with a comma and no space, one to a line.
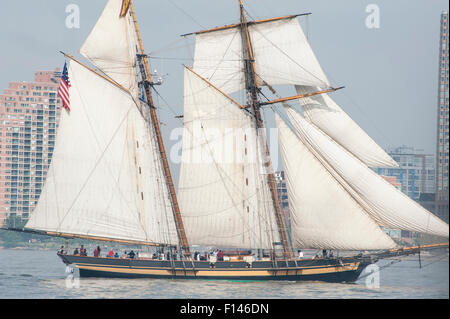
(390,73)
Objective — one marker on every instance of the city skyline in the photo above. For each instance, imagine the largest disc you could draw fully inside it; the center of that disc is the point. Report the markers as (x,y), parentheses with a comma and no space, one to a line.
(416,171)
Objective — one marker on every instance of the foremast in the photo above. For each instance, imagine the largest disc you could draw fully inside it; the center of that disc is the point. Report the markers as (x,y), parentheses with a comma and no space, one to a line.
(252,87)
(147,83)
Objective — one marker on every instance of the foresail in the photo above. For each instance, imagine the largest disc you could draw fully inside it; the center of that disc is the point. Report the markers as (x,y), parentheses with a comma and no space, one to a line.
(281,51)
(388,206)
(105,178)
(112,46)
(223,195)
(323,112)
(323,214)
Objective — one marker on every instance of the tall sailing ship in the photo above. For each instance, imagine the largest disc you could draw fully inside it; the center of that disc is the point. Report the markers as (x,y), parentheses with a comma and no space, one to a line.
(109,179)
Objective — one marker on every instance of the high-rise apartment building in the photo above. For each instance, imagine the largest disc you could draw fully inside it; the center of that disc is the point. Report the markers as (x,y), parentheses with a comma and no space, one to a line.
(416,171)
(442,152)
(281,189)
(29,116)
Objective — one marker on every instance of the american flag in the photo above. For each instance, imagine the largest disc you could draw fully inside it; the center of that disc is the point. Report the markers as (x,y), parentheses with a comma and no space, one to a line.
(64,86)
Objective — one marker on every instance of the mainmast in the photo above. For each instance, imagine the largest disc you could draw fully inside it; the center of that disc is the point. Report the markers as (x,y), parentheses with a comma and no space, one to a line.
(253,87)
(147,81)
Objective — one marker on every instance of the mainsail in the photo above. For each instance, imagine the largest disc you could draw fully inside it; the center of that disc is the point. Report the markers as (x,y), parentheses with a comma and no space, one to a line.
(281,51)
(386,205)
(223,195)
(323,214)
(323,112)
(105,178)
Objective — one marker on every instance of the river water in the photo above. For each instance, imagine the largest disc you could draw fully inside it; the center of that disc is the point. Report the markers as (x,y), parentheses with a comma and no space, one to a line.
(40,274)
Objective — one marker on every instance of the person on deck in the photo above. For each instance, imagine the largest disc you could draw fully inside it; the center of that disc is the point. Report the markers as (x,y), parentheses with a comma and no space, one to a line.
(131,254)
(97,252)
(111,253)
(75,252)
(220,255)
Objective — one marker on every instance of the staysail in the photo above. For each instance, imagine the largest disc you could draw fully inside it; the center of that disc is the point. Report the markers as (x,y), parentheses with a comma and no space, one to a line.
(323,214)
(222,192)
(323,112)
(105,178)
(388,206)
(112,46)
(281,51)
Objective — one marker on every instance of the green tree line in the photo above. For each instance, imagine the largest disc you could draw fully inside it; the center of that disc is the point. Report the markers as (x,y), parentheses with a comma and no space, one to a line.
(13,239)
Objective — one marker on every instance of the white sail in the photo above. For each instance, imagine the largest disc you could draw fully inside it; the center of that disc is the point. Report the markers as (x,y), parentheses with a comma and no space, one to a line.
(218,58)
(223,195)
(323,214)
(112,46)
(281,51)
(283,54)
(388,206)
(323,112)
(105,178)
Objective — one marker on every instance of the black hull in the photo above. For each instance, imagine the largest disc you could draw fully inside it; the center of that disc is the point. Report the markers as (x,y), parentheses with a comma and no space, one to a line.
(327,270)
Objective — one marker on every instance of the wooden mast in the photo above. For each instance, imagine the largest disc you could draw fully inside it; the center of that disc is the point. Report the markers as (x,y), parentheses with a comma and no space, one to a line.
(252,86)
(146,78)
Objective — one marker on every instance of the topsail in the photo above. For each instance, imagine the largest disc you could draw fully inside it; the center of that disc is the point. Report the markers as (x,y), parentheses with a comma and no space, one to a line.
(112,46)
(281,50)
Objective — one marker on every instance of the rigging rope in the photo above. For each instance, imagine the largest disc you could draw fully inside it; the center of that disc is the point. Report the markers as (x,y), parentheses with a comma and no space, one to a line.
(185,13)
